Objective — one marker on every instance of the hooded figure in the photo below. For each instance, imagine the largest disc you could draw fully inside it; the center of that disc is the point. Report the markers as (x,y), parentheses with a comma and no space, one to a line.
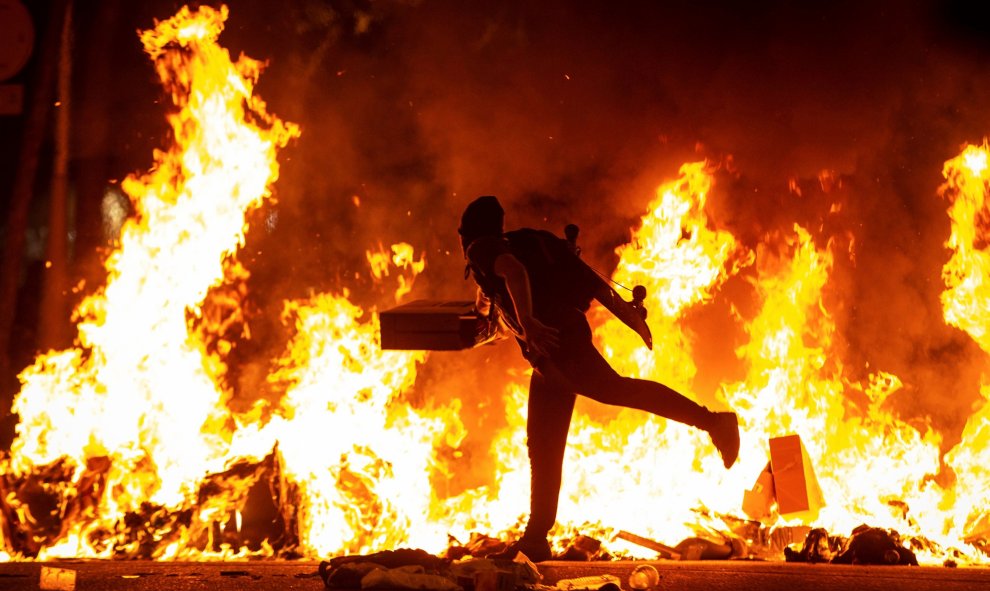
(535,284)
(483,217)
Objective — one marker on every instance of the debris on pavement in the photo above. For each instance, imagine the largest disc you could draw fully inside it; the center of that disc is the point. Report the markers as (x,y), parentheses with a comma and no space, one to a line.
(592,583)
(417,569)
(664,550)
(866,545)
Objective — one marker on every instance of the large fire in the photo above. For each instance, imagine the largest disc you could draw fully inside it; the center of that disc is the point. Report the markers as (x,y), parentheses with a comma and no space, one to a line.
(127,447)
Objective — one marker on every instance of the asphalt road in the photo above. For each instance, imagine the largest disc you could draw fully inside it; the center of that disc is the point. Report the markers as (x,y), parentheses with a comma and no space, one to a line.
(674,576)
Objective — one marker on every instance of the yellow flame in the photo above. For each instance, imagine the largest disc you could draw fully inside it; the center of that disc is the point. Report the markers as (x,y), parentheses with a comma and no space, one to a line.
(402,256)
(872,466)
(357,453)
(140,388)
(619,468)
(964,303)
(965,300)
(681,261)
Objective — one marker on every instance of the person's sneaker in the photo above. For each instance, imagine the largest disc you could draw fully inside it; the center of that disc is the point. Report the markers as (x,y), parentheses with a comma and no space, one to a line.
(535,550)
(725,436)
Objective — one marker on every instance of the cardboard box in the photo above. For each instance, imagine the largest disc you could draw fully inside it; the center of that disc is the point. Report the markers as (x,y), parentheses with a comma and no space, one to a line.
(432,325)
(758,501)
(794,481)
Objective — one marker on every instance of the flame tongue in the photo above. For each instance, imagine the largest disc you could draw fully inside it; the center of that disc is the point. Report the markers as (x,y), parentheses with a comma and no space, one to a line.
(967,274)
(964,304)
(140,388)
(682,261)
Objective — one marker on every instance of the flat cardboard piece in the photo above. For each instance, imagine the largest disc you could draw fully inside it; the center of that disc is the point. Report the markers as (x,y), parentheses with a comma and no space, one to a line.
(758,501)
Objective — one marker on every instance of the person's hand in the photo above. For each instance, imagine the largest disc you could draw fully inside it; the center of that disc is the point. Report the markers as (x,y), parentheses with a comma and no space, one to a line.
(540,338)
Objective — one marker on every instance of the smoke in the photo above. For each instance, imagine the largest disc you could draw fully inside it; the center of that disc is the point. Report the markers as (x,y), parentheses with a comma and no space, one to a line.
(576,113)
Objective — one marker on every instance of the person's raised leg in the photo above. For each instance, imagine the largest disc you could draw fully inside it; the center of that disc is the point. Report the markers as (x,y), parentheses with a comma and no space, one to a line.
(588,373)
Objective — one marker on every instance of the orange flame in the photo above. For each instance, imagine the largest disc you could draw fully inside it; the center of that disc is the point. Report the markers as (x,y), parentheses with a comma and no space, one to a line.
(967,293)
(357,453)
(402,257)
(681,261)
(964,303)
(622,467)
(865,458)
(140,388)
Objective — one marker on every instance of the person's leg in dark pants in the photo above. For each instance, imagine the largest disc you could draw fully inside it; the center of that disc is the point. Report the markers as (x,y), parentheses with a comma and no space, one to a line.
(577,367)
(590,375)
(580,367)
(551,405)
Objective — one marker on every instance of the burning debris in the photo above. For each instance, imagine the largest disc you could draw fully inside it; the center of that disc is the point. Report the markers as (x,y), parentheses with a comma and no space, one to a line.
(119,432)
(249,506)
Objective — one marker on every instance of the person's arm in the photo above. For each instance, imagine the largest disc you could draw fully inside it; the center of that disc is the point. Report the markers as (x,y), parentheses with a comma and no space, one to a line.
(488,327)
(540,338)
(482,304)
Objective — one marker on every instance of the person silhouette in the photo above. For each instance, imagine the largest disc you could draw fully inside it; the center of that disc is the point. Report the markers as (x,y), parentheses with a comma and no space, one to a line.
(533,283)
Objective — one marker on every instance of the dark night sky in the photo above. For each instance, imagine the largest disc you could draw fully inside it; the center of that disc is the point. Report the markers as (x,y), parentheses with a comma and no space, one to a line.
(577,111)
